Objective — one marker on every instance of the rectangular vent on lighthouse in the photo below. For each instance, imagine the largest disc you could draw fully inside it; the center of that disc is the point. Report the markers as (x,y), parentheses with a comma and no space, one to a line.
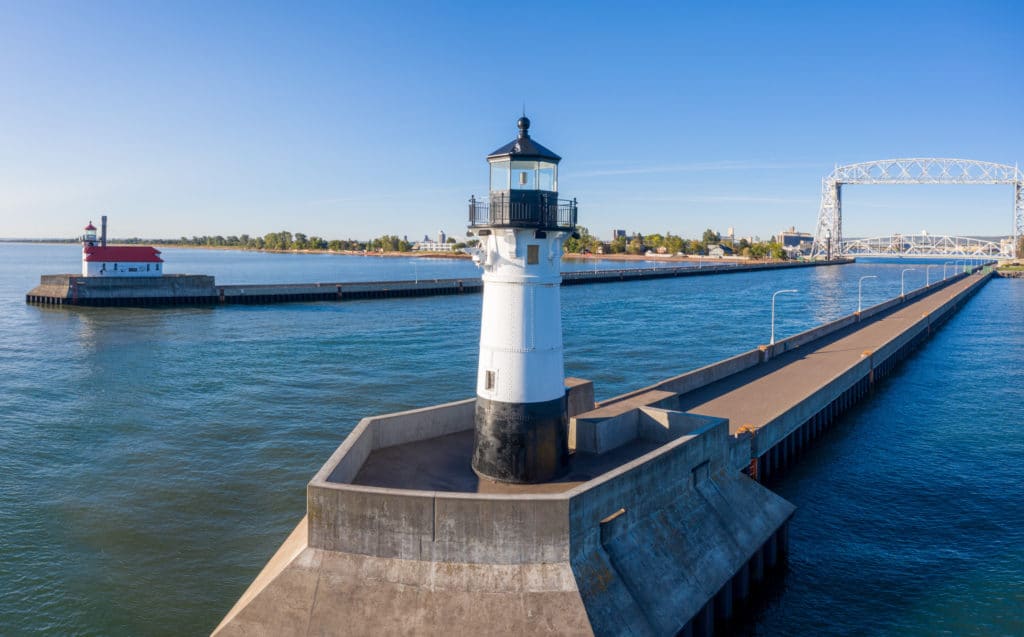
(532,254)
(489,380)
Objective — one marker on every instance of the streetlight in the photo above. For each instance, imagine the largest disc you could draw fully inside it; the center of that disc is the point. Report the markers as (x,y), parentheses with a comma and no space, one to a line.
(859,288)
(944,268)
(772,341)
(903,280)
(927,279)
(828,243)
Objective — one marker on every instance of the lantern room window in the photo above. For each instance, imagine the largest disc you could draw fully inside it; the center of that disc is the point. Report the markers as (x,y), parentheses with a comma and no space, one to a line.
(500,175)
(547,176)
(524,175)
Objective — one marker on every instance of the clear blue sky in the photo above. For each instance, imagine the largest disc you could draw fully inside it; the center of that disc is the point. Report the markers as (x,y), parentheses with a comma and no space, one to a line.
(359,119)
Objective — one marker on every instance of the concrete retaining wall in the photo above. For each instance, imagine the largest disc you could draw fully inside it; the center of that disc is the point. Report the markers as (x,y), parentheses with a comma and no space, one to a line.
(71,289)
(679,517)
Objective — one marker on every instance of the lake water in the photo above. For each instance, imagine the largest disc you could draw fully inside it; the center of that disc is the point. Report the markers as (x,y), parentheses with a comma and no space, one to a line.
(151,460)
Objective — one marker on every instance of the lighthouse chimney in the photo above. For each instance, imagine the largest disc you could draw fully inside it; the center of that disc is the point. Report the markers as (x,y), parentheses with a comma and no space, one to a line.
(521,425)
(103,231)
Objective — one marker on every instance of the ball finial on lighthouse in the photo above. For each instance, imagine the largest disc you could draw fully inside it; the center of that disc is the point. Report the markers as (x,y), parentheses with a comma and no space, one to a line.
(521,427)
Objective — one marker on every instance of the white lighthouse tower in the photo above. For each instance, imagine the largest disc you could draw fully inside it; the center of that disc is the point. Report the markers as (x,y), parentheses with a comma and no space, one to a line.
(521,432)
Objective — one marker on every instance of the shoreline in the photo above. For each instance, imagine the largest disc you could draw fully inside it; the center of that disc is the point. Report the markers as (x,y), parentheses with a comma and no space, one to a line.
(574,256)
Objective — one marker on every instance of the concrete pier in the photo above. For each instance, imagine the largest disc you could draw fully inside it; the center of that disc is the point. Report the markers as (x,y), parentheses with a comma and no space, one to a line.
(189,289)
(656,529)
(785,395)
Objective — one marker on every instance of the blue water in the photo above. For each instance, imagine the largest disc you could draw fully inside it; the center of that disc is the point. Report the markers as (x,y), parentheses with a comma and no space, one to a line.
(151,460)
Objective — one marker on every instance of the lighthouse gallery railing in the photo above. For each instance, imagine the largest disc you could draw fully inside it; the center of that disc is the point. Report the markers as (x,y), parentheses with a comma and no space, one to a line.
(543,212)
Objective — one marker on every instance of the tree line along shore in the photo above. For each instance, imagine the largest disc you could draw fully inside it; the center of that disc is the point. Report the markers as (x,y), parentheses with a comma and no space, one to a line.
(622,247)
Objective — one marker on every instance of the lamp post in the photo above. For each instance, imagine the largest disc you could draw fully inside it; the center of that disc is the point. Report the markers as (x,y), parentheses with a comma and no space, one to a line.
(772,341)
(828,244)
(944,268)
(903,280)
(860,285)
(927,279)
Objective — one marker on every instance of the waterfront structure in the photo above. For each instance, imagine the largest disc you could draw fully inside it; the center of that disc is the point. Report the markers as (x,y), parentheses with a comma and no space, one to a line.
(521,422)
(655,531)
(794,242)
(914,171)
(926,246)
(432,246)
(99,259)
(719,250)
(655,522)
(198,289)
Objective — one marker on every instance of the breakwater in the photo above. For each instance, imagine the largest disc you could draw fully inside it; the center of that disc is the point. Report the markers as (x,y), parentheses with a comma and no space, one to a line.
(186,289)
(400,535)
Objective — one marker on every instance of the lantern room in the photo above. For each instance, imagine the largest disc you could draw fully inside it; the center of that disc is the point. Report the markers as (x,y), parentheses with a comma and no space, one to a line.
(523,188)
(89,237)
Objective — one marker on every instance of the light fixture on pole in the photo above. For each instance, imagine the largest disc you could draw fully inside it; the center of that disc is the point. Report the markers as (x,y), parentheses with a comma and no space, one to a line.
(828,244)
(903,280)
(772,341)
(860,285)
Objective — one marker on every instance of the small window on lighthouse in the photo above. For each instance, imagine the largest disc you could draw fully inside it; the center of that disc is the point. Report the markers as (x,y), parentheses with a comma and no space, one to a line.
(489,379)
(532,254)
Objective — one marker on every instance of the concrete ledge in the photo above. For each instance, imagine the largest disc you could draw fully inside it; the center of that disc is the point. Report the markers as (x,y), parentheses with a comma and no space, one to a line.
(697,378)
(665,425)
(607,427)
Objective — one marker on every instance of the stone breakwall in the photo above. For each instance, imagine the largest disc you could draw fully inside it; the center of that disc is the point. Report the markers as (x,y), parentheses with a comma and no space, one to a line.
(188,289)
(73,289)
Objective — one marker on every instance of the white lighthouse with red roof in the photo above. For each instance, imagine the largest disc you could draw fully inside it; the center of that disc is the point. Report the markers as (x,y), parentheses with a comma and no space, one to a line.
(99,259)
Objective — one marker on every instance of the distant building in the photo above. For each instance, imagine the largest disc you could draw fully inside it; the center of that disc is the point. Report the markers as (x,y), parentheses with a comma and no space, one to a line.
(794,242)
(618,233)
(432,246)
(99,259)
(719,250)
(441,237)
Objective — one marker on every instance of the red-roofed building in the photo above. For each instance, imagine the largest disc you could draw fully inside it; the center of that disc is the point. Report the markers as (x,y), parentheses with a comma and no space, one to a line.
(99,259)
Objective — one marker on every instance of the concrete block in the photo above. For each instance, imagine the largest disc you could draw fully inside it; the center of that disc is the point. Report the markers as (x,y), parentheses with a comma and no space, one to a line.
(579,395)
(664,425)
(600,435)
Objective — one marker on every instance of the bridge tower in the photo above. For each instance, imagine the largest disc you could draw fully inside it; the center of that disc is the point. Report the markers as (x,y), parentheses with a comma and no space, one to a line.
(521,422)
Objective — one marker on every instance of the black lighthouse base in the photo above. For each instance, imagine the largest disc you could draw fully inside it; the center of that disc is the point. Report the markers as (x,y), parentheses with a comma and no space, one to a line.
(521,443)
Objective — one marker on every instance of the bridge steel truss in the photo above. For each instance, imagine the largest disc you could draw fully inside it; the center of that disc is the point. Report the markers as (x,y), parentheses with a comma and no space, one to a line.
(910,171)
(924,245)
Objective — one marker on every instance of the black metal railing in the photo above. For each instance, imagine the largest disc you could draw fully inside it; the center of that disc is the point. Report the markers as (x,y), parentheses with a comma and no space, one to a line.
(536,210)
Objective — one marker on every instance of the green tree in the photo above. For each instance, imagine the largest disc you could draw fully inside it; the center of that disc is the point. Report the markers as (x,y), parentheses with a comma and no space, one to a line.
(709,237)
(673,244)
(585,242)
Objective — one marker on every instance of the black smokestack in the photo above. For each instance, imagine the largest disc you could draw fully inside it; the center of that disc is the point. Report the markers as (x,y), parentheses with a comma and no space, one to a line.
(103,232)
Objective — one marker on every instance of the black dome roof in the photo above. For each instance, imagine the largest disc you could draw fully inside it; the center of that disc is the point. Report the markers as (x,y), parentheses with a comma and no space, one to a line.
(524,147)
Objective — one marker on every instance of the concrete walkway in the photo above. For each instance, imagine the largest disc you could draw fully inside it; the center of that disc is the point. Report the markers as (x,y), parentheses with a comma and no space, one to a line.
(756,396)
